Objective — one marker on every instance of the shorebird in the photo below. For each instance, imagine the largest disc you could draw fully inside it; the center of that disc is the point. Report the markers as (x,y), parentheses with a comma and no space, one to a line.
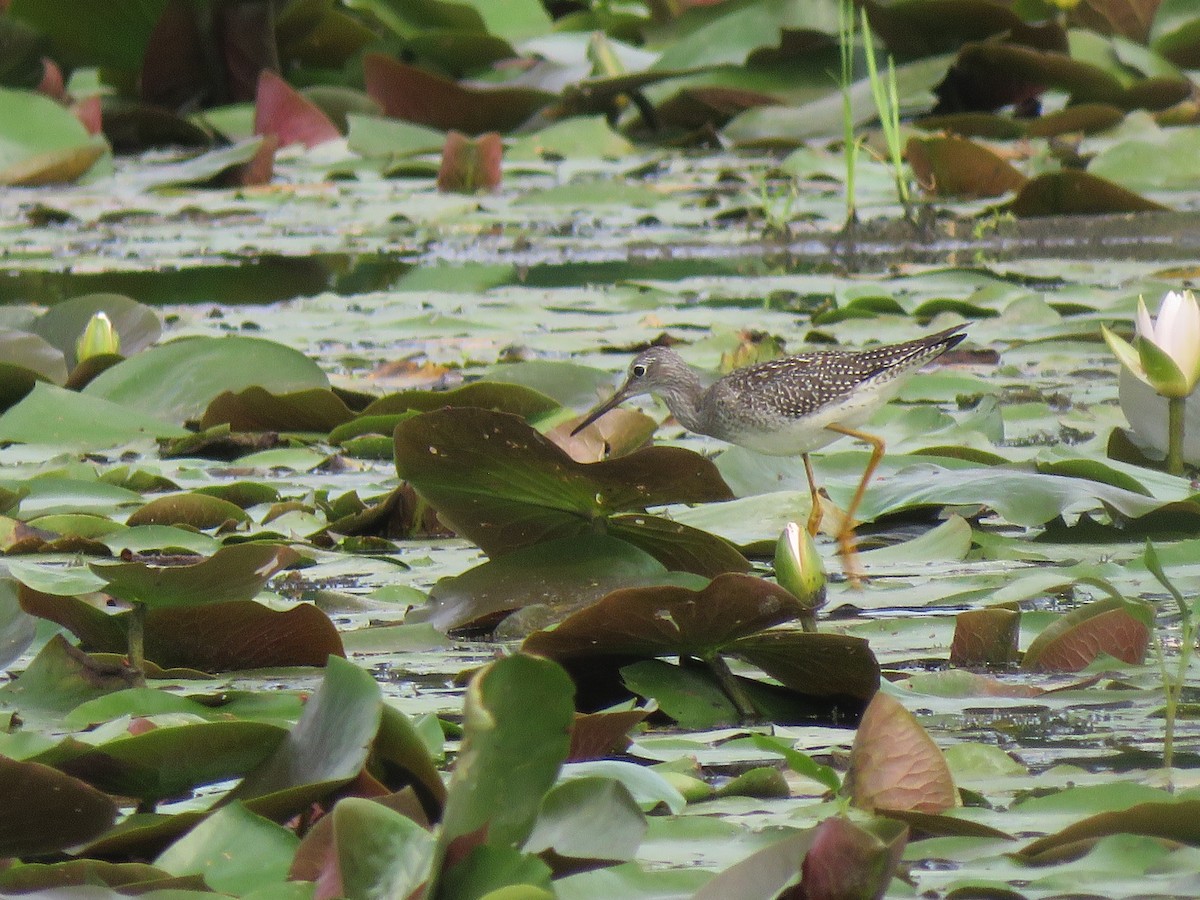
(789,406)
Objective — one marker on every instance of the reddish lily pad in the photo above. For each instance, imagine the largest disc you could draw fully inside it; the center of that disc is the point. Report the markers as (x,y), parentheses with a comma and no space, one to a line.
(603,734)
(667,620)
(985,637)
(282,111)
(894,764)
(415,95)
(236,572)
(1112,625)
(470,165)
(220,637)
(848,859)
(955,166)
(60,810)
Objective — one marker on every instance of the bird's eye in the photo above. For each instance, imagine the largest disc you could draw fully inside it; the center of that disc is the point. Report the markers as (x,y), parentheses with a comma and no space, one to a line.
(639,370)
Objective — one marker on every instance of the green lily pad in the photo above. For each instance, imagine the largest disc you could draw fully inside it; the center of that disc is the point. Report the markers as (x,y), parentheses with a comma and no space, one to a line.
(237,572)
(562,575)
(176,381)
(58,679)
(51,146)
(327,748)
(498,482)
(517,723)
(235,850)
(52,415)
(199,511)
(376,851)
(170,760)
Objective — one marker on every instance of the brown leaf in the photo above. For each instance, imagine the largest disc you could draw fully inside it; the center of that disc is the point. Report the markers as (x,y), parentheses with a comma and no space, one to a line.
(1127,18)
(406,92)
(282,111)
(1071,192)
(894,764)
(601,734)
(985,637)
(469,166)
(955,166)
(47,810)
(667,620)
(1113,626)
(850,860)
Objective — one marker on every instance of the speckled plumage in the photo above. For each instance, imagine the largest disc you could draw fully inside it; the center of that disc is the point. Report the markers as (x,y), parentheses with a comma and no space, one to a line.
(782,407)
(789,406)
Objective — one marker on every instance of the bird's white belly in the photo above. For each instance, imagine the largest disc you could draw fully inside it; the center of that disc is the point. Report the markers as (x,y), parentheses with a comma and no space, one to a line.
(812,432)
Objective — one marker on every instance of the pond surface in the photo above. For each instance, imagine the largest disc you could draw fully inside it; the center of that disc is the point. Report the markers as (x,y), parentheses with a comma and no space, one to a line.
(1002,483)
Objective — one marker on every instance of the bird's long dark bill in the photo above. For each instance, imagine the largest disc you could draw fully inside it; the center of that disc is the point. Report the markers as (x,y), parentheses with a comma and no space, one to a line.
(611,403)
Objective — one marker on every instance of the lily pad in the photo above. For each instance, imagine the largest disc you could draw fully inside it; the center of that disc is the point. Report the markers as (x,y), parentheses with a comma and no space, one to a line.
(517,723)
(257,409)
(327,748)
(666,620)
(237,572)
(218,637)
(53,415)
(1113,625)
(894,763)
(68,811)
(498,482)
(177,381)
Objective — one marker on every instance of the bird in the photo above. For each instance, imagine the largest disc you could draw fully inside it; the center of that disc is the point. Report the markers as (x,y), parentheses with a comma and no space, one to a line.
(788,406)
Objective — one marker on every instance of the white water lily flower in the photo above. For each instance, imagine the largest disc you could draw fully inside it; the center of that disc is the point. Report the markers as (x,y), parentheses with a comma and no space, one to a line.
(1166,352)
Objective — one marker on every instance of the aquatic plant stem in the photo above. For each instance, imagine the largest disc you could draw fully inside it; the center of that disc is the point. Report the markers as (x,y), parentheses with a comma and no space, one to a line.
(1175,411)
(733,690)
(136,639)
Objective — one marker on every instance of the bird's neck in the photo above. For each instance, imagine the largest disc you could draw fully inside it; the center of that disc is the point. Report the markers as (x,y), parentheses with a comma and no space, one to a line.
(683,399)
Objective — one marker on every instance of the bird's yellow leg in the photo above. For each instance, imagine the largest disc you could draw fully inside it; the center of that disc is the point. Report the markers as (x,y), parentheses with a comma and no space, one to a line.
(814,517)
(846,534)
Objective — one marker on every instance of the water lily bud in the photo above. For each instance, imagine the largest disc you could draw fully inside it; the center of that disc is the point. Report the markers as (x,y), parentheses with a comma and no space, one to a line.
(798,566)
(1166,352)
(98,339)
